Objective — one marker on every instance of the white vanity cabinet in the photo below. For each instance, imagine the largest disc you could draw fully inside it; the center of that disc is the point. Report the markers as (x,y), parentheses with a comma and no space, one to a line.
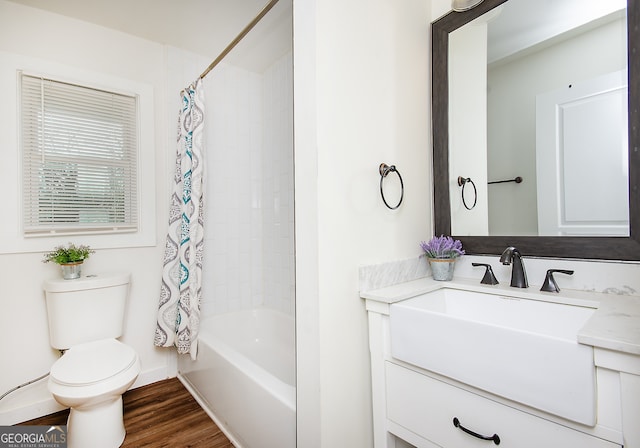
(418,406)
(426,407)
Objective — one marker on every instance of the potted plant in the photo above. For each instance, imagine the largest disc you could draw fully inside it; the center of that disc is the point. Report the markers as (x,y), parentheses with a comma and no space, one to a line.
(70,258)
(442,253)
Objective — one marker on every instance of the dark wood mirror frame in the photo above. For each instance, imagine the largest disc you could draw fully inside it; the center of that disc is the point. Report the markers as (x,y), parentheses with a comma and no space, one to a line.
(596,248)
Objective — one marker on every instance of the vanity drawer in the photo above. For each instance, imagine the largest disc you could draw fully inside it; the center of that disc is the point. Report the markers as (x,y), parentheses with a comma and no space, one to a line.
(427,407)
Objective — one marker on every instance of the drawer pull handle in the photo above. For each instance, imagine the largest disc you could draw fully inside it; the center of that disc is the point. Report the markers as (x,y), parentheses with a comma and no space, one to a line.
(494,437)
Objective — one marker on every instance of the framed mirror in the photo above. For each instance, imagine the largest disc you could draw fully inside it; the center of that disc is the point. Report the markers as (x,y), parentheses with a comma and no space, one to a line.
(452,91)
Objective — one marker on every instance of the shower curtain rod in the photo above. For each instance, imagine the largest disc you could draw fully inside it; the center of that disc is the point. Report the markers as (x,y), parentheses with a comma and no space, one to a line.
(239,37)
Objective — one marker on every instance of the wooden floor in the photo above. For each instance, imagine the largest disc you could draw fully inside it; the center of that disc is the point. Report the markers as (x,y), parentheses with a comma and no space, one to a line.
(160,415)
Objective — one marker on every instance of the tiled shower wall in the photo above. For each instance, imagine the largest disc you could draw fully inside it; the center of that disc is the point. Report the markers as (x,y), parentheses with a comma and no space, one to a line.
(277,187)
(249,245)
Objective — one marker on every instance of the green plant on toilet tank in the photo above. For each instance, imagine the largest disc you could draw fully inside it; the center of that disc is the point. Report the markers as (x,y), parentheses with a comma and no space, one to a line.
(70,257)
(442,253)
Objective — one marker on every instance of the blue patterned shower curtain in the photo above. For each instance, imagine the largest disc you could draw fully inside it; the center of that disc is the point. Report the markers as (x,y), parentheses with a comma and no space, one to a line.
(181,288)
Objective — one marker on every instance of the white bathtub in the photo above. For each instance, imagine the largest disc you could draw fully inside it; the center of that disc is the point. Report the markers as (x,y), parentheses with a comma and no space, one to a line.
(244,376)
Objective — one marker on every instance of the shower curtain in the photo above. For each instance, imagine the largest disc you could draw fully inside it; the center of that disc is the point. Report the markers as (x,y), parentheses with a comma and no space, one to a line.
(181,287)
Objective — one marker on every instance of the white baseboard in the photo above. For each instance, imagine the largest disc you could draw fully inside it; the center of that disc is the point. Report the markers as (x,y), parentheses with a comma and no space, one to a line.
(152,376)
(27,403)
(35,400)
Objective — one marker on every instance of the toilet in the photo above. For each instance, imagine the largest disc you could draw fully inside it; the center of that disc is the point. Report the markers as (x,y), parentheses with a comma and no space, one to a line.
(86,317)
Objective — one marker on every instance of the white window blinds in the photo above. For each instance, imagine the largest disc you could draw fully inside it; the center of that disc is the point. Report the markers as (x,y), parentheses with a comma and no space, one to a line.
(79,158)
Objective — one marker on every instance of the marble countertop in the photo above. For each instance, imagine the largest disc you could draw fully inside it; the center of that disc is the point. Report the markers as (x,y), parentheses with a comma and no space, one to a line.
(615,324)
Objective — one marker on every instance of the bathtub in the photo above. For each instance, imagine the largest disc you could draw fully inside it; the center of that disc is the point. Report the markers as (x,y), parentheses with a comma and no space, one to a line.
(244,376)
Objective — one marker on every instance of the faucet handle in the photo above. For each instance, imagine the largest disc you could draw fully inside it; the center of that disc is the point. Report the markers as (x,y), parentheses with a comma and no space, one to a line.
(550,284)
(489,278)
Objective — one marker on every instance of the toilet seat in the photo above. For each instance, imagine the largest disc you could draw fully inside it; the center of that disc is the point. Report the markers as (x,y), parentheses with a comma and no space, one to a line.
(92,362)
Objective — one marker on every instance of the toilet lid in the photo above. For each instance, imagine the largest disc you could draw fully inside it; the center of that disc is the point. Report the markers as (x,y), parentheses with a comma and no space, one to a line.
(92,362)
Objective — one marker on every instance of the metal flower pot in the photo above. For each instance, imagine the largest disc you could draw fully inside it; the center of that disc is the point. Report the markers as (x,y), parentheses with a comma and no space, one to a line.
(71,271)
(442,268)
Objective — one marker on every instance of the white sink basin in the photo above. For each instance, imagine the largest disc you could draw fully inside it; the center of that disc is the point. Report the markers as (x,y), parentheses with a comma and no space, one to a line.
(523,350)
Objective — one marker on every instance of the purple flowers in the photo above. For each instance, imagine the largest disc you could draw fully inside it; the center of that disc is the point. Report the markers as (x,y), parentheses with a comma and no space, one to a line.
(442,247)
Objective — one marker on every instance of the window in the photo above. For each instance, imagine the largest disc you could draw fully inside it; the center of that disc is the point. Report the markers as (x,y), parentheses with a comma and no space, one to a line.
(79,157)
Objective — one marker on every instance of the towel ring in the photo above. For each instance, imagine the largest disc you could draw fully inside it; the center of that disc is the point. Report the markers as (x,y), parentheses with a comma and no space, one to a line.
(385,169)
(462,182)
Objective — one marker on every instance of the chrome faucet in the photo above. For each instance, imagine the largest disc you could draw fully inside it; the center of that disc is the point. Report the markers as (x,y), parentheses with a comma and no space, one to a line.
(518,274)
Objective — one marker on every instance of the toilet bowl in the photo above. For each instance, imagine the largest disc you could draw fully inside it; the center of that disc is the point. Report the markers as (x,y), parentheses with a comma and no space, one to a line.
(90,378)
(86,316)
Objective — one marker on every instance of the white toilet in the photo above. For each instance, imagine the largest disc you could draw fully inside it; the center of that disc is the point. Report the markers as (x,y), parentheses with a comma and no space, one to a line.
(85,318)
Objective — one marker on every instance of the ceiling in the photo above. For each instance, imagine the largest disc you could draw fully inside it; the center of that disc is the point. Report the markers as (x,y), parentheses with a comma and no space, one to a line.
(521,24)
(203,27)
(206,27)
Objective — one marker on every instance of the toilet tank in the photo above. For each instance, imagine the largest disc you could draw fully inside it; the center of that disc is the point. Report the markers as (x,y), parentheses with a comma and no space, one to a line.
(86,309)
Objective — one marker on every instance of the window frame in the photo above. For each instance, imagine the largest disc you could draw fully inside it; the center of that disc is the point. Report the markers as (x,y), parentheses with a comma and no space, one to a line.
(34,146)
(12,238)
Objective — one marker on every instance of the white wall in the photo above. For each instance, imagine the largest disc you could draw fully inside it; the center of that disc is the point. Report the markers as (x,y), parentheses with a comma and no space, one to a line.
(25,352)
(439,8)
(361,98)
